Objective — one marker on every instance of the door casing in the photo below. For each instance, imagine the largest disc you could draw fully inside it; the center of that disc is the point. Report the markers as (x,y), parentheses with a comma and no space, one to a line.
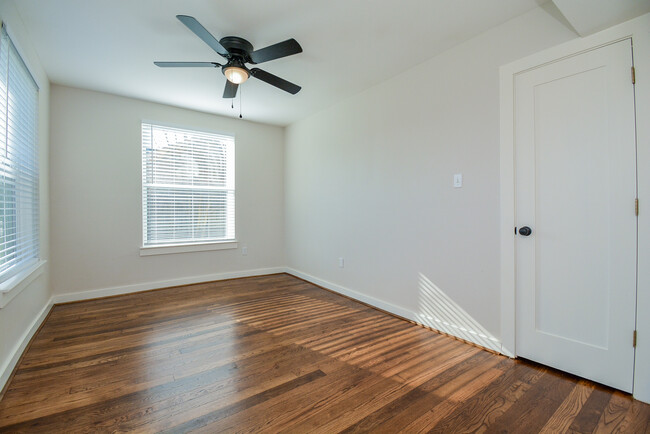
(636,30)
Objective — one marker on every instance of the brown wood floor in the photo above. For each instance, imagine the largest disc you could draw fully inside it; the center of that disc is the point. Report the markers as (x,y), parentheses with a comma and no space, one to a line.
(277,354)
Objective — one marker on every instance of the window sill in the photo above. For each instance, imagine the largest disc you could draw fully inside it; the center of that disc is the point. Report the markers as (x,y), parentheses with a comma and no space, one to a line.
(186,248)
(15,284)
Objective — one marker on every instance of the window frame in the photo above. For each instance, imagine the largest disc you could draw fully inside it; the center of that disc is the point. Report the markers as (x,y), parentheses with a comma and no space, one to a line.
(191,246)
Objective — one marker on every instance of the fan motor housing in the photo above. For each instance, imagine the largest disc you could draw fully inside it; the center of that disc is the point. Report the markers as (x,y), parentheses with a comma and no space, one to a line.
(237,47)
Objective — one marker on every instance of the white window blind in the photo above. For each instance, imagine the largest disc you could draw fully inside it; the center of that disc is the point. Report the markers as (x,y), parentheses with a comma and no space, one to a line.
(19,216)
(188,186)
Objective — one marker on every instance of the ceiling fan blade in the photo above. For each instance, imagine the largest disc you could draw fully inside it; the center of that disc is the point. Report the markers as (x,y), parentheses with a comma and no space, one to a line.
(276,51)
(276,81)
(187,64)
(200,31)
(230,91)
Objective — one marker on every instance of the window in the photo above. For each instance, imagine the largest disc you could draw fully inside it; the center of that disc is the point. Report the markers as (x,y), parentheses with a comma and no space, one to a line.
(188,186)
(19,216)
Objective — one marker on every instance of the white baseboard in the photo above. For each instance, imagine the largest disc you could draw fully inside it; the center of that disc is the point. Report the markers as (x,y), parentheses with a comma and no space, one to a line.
(139,287)
(493,345)
(352,294)
(17,352)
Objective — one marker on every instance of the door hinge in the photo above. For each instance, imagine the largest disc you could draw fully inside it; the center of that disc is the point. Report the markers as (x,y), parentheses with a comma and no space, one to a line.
(636,206)
(633,76)
(634,339)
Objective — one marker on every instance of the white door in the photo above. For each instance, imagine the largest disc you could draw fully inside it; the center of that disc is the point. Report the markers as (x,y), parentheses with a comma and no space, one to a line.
(575,189)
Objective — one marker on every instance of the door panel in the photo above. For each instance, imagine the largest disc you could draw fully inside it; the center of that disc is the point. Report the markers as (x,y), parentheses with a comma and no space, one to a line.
(576,184)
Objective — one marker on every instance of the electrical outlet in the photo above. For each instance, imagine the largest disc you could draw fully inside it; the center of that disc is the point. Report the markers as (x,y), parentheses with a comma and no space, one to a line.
(244,251)
(341,262)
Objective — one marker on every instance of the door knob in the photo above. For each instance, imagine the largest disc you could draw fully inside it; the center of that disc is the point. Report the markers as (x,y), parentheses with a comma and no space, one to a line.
(525,231)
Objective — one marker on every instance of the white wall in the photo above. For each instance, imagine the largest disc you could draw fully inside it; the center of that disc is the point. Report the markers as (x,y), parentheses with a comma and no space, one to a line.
(370,180)
(18,318)
(95,170)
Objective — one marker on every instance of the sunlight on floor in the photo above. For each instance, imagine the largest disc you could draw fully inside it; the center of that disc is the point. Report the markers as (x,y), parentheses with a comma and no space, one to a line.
(437,310)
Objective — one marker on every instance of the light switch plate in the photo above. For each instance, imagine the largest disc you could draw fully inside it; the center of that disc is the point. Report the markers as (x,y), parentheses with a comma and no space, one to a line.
(458,180)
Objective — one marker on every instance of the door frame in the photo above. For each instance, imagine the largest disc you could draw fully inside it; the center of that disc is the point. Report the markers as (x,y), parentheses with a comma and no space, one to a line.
(637,31)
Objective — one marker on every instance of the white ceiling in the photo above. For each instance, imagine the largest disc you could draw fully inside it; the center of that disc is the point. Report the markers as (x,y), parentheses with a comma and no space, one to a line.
(349,46)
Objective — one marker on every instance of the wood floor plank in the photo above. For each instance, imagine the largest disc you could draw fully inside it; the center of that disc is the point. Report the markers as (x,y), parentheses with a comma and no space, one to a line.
(277,354)
(420,399)
(637,419)
(482,410)
(569,409)
(611,420)
(534,409)
(363,403)
(245,404)
(348,402)
(587,420)
(164,412)
(428,420)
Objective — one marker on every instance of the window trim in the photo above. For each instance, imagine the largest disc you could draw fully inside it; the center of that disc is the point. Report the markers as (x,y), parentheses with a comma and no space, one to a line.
(183,127)
(21,280)
(22,53)
(189,247)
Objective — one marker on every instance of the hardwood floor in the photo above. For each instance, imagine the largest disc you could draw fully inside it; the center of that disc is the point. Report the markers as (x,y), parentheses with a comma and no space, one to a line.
(277,354)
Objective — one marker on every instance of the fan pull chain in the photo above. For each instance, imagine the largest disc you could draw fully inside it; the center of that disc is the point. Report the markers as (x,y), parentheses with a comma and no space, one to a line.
(240,92)
(232,103)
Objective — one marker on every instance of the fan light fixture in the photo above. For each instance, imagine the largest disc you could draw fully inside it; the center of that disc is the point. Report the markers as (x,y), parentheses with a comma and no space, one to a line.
(235,74)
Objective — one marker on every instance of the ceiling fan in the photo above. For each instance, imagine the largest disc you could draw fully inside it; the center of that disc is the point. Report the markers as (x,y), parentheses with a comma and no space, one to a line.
(237,52)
